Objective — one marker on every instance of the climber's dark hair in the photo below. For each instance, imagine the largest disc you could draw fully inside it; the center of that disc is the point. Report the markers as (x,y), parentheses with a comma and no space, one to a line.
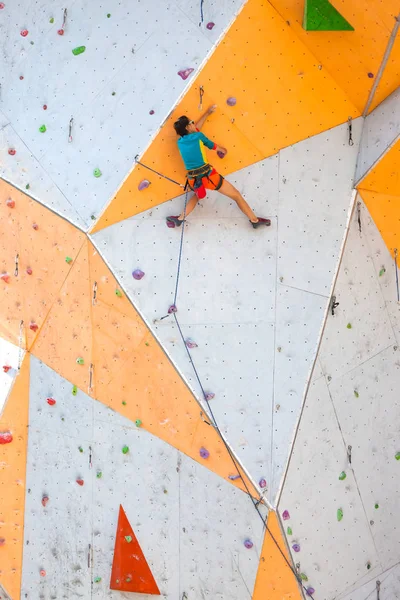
(180,126)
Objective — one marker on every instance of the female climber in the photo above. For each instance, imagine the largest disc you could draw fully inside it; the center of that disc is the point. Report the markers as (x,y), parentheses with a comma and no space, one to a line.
(200,174)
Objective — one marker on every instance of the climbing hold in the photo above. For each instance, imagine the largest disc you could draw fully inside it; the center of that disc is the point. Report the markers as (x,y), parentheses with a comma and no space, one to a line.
(172,309)
(80,448)
(27,186)
(24,32)
(289,531)
(118,293)
(285,515)
(184,73)
(342,476)
(2,5)
(248,544)
(370,75)
(74,390)
(368,565)
(321,15)
(113,94)
(303,577)
(204,453)
(233,477)
(97,173)
(376,505)
(78,50)
(123,403)
(231,101)
(143,185)
(51,401)
(6,437)
(151,112)
(97,579)
(262,483)
(29,271)
(348,325)
(221,154)
(125,449)
(68,260)
(339,514)
(2,541)
(310,591)
(128,579)
(357,395)
(397,456)
(138,423)
(11,151)
(108,15)
(45,500)
(382,271)
(35,226)
(5,277)
(138,274)
(21,77)
(128,538)
(80,482)
(51,20)
(42,573)
(60,32)
(33,327)
(190,343)
(296,547)
(80,361)
(99,474)
(10,203)
(209,396)
(6,368)
(210,25)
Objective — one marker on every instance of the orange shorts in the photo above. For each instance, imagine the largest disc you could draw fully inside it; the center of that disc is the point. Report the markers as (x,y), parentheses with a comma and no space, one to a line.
(199,185)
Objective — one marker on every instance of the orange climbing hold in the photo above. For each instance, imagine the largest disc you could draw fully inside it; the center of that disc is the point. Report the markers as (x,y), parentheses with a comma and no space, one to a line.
(130,571)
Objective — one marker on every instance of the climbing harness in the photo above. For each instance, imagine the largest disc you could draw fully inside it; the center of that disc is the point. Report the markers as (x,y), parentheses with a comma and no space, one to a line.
(201,97)
(333,305)
(350,125)
(359,216)
(157,173)
(16,265)
(70,129)
(397,274)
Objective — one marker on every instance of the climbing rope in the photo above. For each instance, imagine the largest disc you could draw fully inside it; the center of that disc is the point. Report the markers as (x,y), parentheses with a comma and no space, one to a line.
(397,274)
(157,173)
(214,423)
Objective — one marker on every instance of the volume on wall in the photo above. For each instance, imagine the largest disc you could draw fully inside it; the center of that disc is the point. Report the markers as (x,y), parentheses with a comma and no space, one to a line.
(244,446)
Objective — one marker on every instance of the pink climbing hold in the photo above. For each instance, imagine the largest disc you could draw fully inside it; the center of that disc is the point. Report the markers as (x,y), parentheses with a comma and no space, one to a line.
(6,437)
(172,309)
(2,5)
(144,184)
(35,226)
(262,483)
(11,151)
(151,112)
(24,32)
(204,453)
(138,274)
(248,544)
(285,515)
(296,547)
(29,271)
(310,591)
(42,573)
(60,32)
(5,277)
(209,396)
(231,101)
(190,343)
(370,75)
(2,541)
(45,500)
(10,203)
(6,368)
(44,106)
(51,401)
(80,482)
(184,73)
(210,25)
(33,327)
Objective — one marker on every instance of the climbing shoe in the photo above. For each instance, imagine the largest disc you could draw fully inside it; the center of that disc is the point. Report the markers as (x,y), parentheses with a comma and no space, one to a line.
(260,222)
(174,222)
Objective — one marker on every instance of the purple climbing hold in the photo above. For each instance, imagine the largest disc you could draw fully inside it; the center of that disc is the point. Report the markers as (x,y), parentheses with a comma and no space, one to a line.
(221,154)
(233,477)
(143,185)
(151,112)
(310,591)
(204,453)
(296,547)
(190,343)
(138,274)
(209,396)
(285,515)
(184,73)
(370,75)
(210,25)
(262,483)
(172,309)
(248,544)
(231,101)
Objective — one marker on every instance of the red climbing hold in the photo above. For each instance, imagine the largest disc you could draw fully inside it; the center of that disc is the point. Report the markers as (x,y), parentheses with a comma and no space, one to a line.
(184,73)
(2,541)
(44,106)
(5,277)
(42,573)
(33,327)
(130,571)
(371,75)
(24,32)
(10,203)
(60,32)
(2,5)
(6,368)
(51,401)
(45,500)
(6,437)
(29,271)
(80,482)
(35,226)
(11,151)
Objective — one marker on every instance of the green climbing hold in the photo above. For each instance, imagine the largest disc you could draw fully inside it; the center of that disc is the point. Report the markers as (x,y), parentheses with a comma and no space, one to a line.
(108,16)
(42,128)
(97,579)
(52,20)
(118,293)
(138,423)
(289,531)
(376,505)
(93,217)
(342,476)
(128,538)
(382,271)
(357,395)
(97,173)
(339,514)
(80,449)
(68,260)
(348,325)
(113,94)
(74,390)
(397,456)
(146,344)
(123,403)
(27,186)
(125,450)
(303,577)
(320,15)
(99,474)
(80,361)
(78,50)
(368,565)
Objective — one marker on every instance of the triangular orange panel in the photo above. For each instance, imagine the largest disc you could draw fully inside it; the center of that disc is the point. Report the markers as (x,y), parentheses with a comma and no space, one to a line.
(275,580)
(384,177)
(130,571)
(385,211)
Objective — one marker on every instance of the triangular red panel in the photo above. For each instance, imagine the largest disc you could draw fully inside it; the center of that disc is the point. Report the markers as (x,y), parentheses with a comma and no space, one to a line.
(130,571)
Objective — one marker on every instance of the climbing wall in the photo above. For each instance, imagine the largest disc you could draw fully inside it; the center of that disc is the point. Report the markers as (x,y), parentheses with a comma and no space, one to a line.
(9,359)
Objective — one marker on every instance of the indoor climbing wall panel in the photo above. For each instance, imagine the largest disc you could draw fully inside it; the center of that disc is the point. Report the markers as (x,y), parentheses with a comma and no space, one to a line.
(387,584)
(117,92)
(380,130)
(298,101)
(240,291)
(13,459)
(190,524)
(384,176)
(345,481)
(9,359)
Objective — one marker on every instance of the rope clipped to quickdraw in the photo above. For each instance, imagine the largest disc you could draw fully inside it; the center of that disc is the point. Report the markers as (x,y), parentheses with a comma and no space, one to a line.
(70,129)
(397,274)
(201,13)
(334,305)
(201,97)
(359,216)
(20,350)
(349,448)
(157,173)
(350,126)
(94,297)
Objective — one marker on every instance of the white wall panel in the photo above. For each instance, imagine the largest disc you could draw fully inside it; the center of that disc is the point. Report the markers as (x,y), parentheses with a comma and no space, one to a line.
(8,358)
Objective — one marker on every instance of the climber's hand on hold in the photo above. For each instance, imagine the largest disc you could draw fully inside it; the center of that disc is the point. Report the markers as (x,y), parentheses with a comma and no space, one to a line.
(221,151)
(212,109)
